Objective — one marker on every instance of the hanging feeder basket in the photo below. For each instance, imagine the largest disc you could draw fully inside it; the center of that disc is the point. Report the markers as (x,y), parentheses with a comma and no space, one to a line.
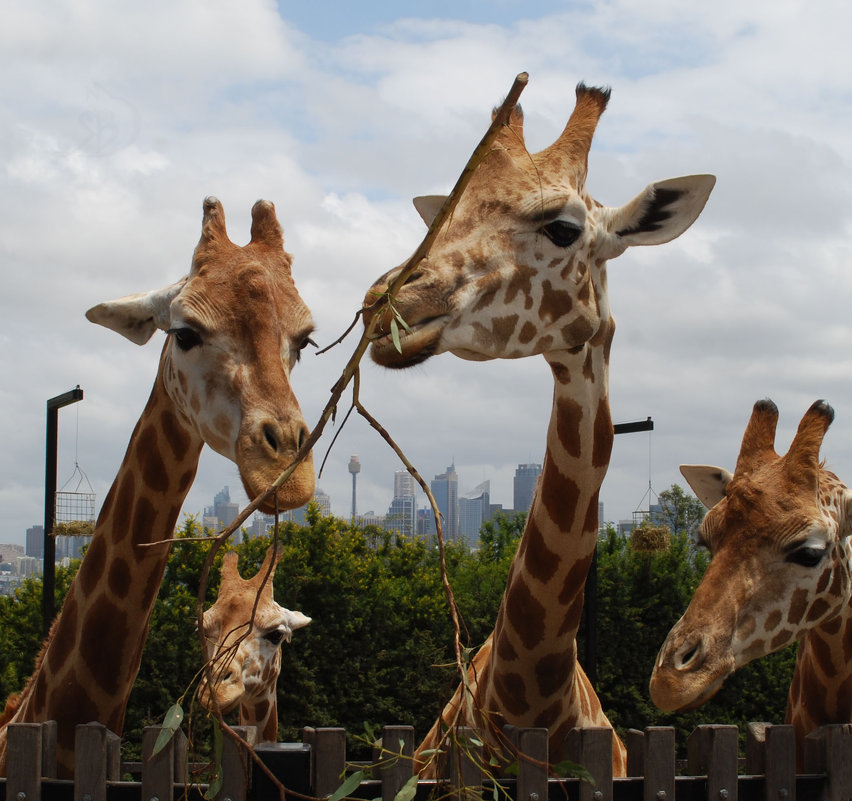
(75,509)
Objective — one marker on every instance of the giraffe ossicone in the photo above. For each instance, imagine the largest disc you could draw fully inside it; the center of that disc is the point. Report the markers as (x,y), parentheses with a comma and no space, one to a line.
(244,630)
(235,326)
(520,270)
(780,572)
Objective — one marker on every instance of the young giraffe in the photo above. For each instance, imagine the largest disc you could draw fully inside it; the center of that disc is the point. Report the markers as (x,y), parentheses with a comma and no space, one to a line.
(520,270)
(244,630)
(778,532)
(236,325)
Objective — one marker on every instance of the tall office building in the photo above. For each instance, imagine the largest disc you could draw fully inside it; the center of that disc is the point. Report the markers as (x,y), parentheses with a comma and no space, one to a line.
(526,480)
(474,510)
(445,488)
(35,542)
(402,513)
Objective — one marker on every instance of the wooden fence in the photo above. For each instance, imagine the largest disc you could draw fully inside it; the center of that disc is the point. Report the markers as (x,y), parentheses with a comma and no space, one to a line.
(315,767)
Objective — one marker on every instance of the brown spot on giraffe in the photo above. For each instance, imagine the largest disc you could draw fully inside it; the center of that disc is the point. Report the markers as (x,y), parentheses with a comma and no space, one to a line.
(123,506)
(773,620)
(119,579)
(63,638)
(524,613)
(174,434)
(798,606)
(569,416)
(110,621)
(541,561)
(527,333)
(511,689)
(551,671)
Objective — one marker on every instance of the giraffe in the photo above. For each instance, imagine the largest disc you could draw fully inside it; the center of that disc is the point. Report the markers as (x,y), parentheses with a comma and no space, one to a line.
(236,326)
(520,270)
(778,532)
(244,630)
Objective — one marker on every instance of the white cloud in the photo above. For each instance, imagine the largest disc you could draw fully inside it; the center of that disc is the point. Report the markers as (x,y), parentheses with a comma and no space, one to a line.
(118,120)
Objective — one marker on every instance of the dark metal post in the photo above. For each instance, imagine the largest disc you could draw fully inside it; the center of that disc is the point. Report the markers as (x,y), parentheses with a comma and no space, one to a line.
(48,604)
(590,604)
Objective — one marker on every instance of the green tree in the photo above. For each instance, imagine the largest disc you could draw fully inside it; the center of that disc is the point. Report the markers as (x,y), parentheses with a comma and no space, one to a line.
(682,512)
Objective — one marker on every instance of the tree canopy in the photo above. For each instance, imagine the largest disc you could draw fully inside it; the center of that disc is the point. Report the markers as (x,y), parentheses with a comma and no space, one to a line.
(379,648)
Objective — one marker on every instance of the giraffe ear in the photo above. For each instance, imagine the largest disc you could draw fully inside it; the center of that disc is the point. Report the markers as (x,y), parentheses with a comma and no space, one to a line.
(137,316)
(428,206)
(295,620)
(707,482)
(663,211)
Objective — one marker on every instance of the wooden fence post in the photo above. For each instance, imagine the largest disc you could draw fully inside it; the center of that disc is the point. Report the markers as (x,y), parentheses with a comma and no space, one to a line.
(49,734)
(635,742)
(236,775)
(328,758)
(712,752)
(659,763)
(756,748)
(160,770)
(591,748)
(780,763)
(829,750)
(533,762)
(396,759)
(23,762)
(464,763)
(97,759)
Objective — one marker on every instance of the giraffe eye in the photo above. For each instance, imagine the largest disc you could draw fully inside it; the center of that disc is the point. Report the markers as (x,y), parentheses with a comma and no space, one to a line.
(562,233)
(275,636)
(807,556)
(185,338)
(302,345)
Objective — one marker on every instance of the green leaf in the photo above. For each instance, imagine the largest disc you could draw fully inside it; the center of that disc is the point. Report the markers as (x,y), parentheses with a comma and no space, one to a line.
(171,723)
(218,744)
(395,335)
(401,320)
(348,786)
(568,768)
(408,790)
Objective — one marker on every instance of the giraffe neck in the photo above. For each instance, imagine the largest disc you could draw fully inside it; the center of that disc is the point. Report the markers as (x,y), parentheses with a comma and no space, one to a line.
(262,713)
(821,688)
(90,660)
(533,676)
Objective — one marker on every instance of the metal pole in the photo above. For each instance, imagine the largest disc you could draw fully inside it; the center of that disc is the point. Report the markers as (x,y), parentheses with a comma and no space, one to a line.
(590,604)
(48,604)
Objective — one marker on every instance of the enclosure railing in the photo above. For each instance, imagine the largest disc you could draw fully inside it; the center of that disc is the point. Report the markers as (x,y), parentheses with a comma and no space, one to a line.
(317,767)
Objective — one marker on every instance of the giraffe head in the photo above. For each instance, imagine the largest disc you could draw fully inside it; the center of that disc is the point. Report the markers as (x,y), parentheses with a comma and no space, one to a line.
(519,269)
(236,326)
(244,630)
(778,535)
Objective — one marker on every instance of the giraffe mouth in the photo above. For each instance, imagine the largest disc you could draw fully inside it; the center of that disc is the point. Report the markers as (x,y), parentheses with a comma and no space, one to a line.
(410,346)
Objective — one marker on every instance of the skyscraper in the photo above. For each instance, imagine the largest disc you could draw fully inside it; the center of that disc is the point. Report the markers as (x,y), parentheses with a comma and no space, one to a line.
(474,510)
(445,488)
(402,513)
(526,480)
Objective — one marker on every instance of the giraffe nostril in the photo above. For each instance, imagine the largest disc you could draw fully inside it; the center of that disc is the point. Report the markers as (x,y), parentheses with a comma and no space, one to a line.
(690,656)
(270,436)
(302,435)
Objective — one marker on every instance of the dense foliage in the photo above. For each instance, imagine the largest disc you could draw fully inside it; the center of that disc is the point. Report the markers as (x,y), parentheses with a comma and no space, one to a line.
(379,649)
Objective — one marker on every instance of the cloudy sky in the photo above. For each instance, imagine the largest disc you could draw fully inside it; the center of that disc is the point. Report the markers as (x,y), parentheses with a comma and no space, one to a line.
(117,119)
